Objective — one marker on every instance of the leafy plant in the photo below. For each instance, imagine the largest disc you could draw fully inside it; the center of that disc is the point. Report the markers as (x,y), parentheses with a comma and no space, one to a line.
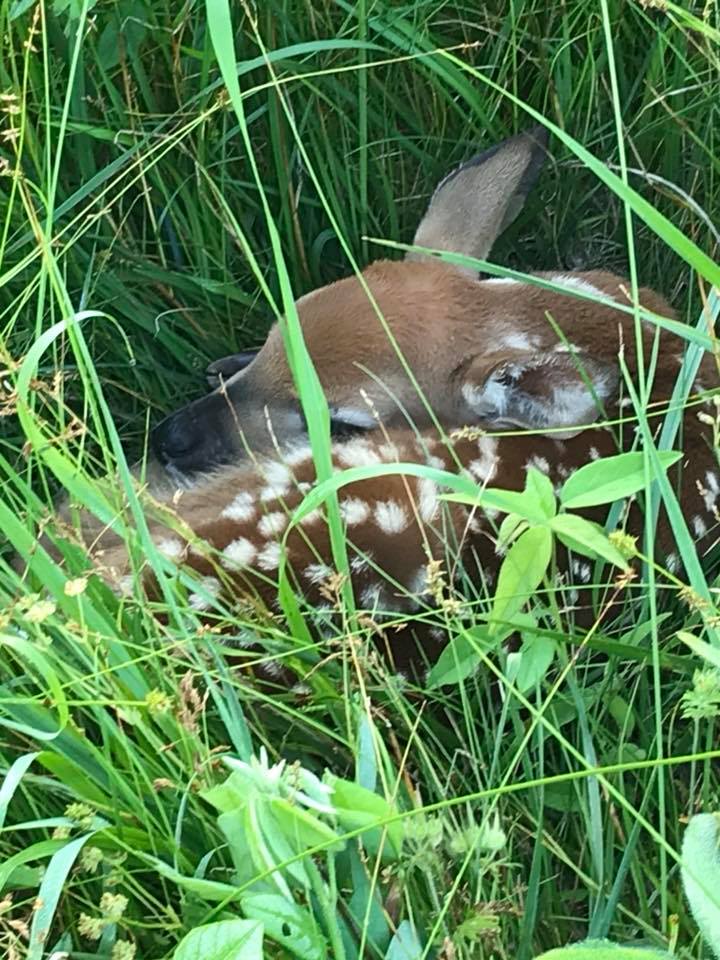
(701,874)
(535,520)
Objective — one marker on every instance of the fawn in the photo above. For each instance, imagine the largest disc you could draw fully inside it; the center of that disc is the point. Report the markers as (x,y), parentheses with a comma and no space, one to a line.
(485,353)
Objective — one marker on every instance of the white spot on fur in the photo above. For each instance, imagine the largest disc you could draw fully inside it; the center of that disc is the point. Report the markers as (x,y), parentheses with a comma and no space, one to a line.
(563,347)
(370,597)
(126,585)
(171,548)
(317,572)
(540,463)
(484,467)
(433,461)
(626,402)
(356,453)
(391,516)
(390,452)
(672,562)
(272,524)
(594,453)
(269,557)
(419,582)
(428,499)
(699,526)
(354,511)
(298,455)
(499,281)
(315,516)
(277,478)
(238,553)
(473,524)
(241,509)
(210,588)
(518,341)
(577,283)
(711,492)
(582,570)
(360,563)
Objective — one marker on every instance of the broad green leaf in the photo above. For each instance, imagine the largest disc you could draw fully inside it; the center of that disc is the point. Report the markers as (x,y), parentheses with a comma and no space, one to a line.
(225,940)
(520,575)
(602,950)
(524,503)
(405,945)
(610,479)
(303,830)
(460,658)
(539,486)
(287,924)
(700,870)
(357,807)
(536,655)
(700,648)
(366,903)
(585,537)
(510,529)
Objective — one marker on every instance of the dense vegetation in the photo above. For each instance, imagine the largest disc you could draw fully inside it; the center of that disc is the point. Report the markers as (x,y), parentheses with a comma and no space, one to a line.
(137,197)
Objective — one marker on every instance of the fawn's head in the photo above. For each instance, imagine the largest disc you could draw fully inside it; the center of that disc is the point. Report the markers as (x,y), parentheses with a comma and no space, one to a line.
(481,351)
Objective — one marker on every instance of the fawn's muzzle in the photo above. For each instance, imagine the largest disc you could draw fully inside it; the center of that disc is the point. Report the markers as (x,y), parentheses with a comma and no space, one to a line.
(189,439)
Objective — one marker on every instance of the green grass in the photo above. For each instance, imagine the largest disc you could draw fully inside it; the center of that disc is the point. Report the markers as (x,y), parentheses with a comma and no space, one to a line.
(174,222)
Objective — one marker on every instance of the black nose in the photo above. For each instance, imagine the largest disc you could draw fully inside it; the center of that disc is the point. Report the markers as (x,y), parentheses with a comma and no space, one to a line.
(176,437)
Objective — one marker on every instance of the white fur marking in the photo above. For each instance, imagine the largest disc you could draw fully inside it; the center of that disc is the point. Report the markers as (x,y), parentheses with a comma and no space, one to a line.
(389,452)
(712,491)
(238,553)
(360,563)
(171,548)
(298,455)
(269,557)
(428,499)
(699,526)
(391,516)
(356,453)
(577,283)
(241,509)
(518,341)
(211,588)
(277,477)
(418,582)
(354,511)
(272,524)
(315,516)
(672,562)
(540,463)
(317,572)
(485,466)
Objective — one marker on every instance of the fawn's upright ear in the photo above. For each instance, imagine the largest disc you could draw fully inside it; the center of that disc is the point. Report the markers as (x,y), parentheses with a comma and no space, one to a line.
(476,202)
